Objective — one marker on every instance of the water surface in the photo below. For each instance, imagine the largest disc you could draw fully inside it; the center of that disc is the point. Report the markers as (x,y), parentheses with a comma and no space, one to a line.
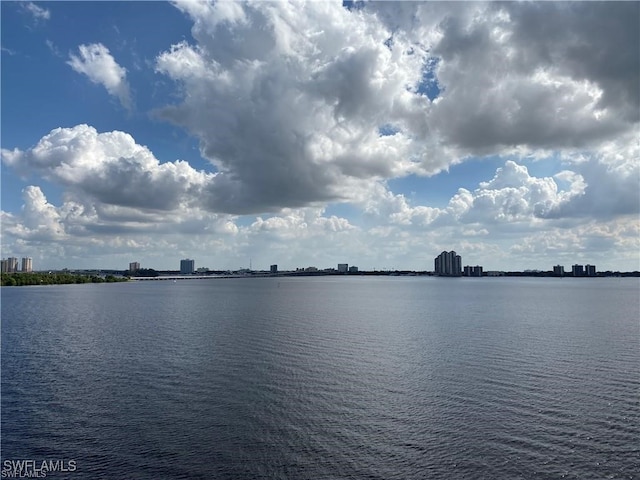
(325,377)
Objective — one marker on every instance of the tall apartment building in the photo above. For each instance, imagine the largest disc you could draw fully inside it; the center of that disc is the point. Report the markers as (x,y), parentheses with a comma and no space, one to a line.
(558,270)
(577,270)
(273,269)
(590,270)
(187,266)
(134,266)
(343,267)
(12,265)
(27,264)
(448,264)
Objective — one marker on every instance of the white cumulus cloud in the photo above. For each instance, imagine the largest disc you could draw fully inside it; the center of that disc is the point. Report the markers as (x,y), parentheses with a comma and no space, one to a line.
(95,61)
(39,13)
(288,102)
(38,222)
(297,104)
(111,168)
(512,195)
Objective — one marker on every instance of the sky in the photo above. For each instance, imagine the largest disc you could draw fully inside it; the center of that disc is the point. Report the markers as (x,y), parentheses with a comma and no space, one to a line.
(301,134)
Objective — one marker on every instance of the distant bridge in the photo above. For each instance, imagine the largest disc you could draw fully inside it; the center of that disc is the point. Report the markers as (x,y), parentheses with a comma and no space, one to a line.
(188,277)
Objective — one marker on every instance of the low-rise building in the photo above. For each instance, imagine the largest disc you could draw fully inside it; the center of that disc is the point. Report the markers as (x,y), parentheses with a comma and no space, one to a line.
(495,273)
(470,271)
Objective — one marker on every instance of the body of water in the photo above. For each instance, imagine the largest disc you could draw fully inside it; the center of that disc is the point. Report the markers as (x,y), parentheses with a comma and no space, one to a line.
(325,378)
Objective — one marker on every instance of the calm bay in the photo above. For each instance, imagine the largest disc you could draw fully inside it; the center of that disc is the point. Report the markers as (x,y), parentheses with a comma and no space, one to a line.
(325,378)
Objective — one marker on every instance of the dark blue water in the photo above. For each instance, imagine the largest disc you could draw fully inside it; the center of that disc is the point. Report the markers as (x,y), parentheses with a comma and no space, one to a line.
(325,378)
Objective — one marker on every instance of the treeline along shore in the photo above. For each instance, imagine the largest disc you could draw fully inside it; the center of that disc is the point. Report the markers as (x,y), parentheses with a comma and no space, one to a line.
(55,278)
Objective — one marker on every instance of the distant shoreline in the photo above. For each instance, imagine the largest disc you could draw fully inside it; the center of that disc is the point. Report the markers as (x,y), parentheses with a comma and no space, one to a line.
(110,276)
(375,273)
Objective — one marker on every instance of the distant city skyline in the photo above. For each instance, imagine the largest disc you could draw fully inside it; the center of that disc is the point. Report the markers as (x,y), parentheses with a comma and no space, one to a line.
(374,133)
(11,265)
(445,264)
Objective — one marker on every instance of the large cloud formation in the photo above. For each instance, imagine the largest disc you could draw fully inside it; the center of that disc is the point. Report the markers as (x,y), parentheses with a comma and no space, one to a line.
(297,104)
(300,105)
(287,102)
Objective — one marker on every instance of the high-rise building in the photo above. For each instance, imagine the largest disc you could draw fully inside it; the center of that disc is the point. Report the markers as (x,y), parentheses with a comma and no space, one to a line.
(343,267)
(577,270)
(5,266)
(448,264)
(590,270)
(353,269)
(558,270)
(12,264)
(134,267)
(273,269)
(187,266)
(27,265)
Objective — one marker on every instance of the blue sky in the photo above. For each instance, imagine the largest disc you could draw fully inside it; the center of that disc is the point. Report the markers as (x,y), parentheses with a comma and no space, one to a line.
(312,134)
